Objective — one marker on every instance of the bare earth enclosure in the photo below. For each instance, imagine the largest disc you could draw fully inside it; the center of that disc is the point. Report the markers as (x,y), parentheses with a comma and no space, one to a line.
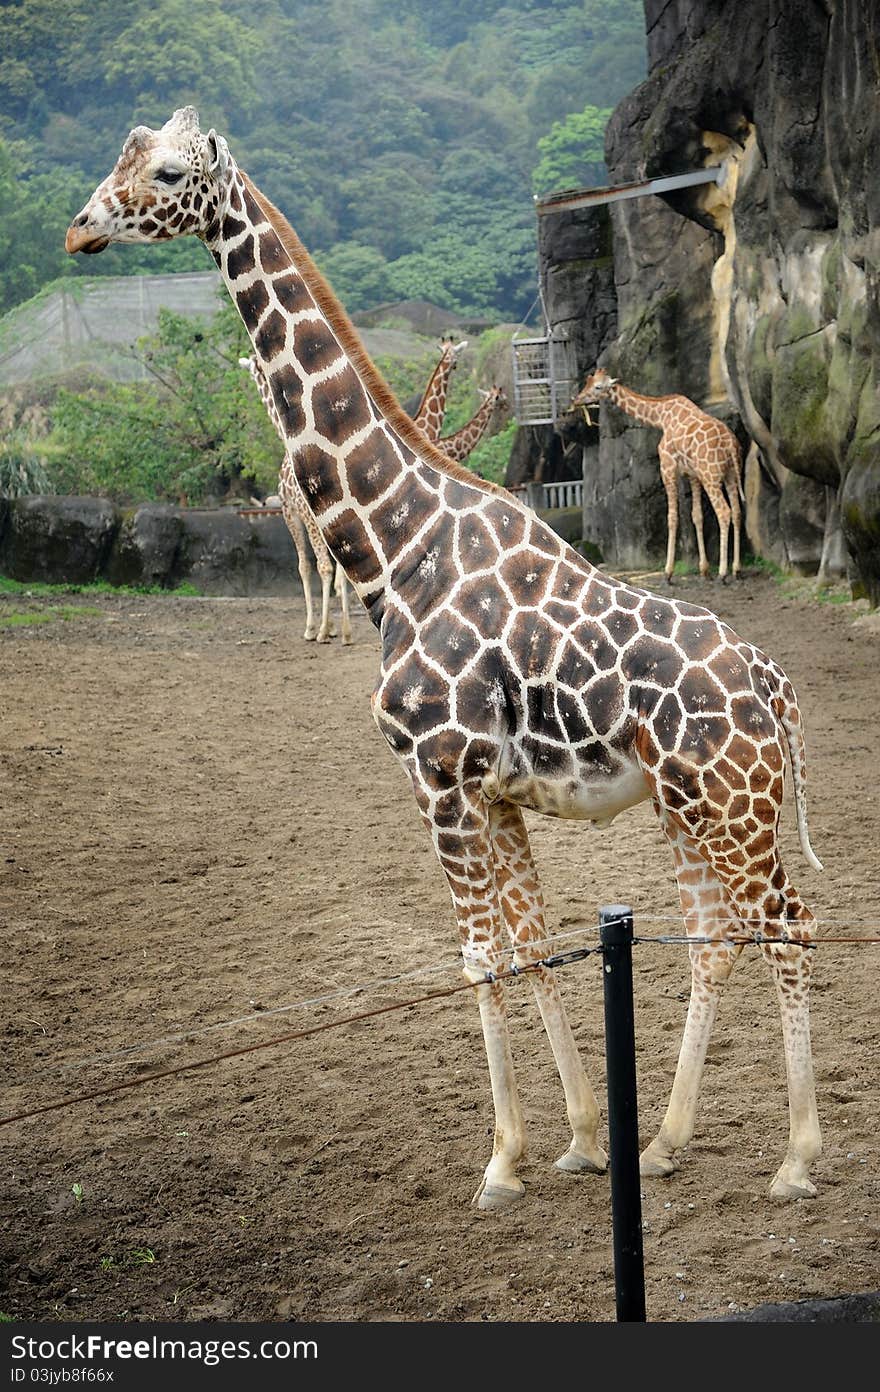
(201,825)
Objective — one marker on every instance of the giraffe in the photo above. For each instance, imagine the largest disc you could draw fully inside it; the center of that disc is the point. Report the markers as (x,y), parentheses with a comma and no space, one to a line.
(462,442)
(513,674)
(432,407)
(300,524)
(694,444)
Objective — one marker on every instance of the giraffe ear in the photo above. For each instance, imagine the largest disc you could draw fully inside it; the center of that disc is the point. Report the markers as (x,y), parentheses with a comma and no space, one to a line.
(217,155)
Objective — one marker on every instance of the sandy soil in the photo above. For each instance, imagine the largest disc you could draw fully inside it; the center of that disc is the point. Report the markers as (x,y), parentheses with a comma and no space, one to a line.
(201,823)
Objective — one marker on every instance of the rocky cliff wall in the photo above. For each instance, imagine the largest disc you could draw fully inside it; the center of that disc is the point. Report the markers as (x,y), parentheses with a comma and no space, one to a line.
(758,297)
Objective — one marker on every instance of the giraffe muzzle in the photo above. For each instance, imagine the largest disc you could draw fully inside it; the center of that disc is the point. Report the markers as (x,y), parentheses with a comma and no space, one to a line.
(82,237)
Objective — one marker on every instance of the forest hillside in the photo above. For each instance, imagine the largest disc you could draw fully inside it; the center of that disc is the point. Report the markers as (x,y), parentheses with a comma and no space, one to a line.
(403,138)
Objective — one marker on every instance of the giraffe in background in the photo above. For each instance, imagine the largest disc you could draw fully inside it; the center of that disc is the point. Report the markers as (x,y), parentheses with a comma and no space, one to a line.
(694,444)
(462,442)
(432,407)
(300,524)
(513,673)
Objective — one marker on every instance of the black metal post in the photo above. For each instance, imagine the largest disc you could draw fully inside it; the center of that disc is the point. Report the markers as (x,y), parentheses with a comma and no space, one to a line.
(616,934)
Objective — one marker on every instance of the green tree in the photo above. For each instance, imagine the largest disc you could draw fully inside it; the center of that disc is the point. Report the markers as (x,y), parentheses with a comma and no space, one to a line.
(358,274)
(194,428)
(573,153)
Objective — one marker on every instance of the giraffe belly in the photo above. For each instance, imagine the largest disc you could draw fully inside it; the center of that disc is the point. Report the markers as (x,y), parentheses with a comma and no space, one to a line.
(596,797)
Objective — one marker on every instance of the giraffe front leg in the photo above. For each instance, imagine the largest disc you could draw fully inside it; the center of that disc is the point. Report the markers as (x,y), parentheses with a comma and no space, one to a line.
(298,535)
(722,512)
(458,820)
(697,515)
(326,630)
(669,476)
(523,909)
(736,519)
(707,913)
(342,591)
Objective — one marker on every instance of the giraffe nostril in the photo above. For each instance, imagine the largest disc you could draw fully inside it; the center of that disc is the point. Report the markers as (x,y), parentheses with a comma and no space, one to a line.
(80,221)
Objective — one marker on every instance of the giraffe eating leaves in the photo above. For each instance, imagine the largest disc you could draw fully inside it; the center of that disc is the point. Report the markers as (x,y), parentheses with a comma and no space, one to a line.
(513,673)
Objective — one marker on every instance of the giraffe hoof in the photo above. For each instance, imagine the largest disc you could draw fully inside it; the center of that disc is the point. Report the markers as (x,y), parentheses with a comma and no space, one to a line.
(575,1162)
(324,637)
(786,1188)
(490,1197)
(653,1164)
(309,637)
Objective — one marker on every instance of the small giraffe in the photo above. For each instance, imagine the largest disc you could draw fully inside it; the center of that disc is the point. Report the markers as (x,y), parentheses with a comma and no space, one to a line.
(513,673)
(432,407)
(460,444)
(694,444)
(301,523)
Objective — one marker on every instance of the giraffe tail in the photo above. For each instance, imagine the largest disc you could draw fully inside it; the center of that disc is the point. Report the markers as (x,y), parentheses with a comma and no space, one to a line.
(784,703)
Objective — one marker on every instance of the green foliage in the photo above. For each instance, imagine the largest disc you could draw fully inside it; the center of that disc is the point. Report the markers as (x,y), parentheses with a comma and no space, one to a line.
(29,618)
(573,154)
(195,429)
(40,588)
(24,449)
(404,130)
(492,455)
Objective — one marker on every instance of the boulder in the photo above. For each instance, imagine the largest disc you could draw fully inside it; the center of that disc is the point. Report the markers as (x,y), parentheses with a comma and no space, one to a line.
(146,547)
(57,540)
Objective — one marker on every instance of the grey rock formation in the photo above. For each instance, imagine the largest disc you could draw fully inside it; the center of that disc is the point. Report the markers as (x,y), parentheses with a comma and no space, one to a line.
(57,539)
(757,298)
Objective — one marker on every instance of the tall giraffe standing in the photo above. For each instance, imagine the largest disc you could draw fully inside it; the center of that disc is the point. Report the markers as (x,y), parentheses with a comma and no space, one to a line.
(301,524)
(432,407)
(693,443)
(464,441)
(513,674)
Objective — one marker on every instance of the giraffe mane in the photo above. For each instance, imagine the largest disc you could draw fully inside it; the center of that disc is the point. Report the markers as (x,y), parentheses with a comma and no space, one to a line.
(328,303)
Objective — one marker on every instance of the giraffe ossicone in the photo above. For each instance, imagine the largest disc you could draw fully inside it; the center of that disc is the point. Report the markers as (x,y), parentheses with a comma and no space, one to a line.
(694,444)
(513,673)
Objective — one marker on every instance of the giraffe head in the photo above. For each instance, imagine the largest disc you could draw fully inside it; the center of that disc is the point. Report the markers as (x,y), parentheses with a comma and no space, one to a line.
(596,389)
(495,397)
(450,350)
(165,184)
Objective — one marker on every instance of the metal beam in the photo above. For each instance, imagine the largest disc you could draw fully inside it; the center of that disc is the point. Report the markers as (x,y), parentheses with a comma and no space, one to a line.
(589,198)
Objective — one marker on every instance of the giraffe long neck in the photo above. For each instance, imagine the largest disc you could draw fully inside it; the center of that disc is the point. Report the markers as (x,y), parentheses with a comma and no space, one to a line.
(429,416)
(372,482)
(460,444)
(650,410)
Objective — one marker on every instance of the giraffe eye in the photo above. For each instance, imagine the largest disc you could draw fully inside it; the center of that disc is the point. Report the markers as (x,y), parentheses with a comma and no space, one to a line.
(168,176)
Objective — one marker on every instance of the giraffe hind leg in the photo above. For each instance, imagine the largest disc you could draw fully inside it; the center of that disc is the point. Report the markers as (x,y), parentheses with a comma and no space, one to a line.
(758,900)
(707,913)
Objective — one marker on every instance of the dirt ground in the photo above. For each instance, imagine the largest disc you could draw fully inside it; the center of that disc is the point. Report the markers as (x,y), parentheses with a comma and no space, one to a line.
(201,825)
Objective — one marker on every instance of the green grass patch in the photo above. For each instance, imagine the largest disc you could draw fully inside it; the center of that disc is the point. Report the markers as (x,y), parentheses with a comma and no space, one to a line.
(25,618)
(39,588)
